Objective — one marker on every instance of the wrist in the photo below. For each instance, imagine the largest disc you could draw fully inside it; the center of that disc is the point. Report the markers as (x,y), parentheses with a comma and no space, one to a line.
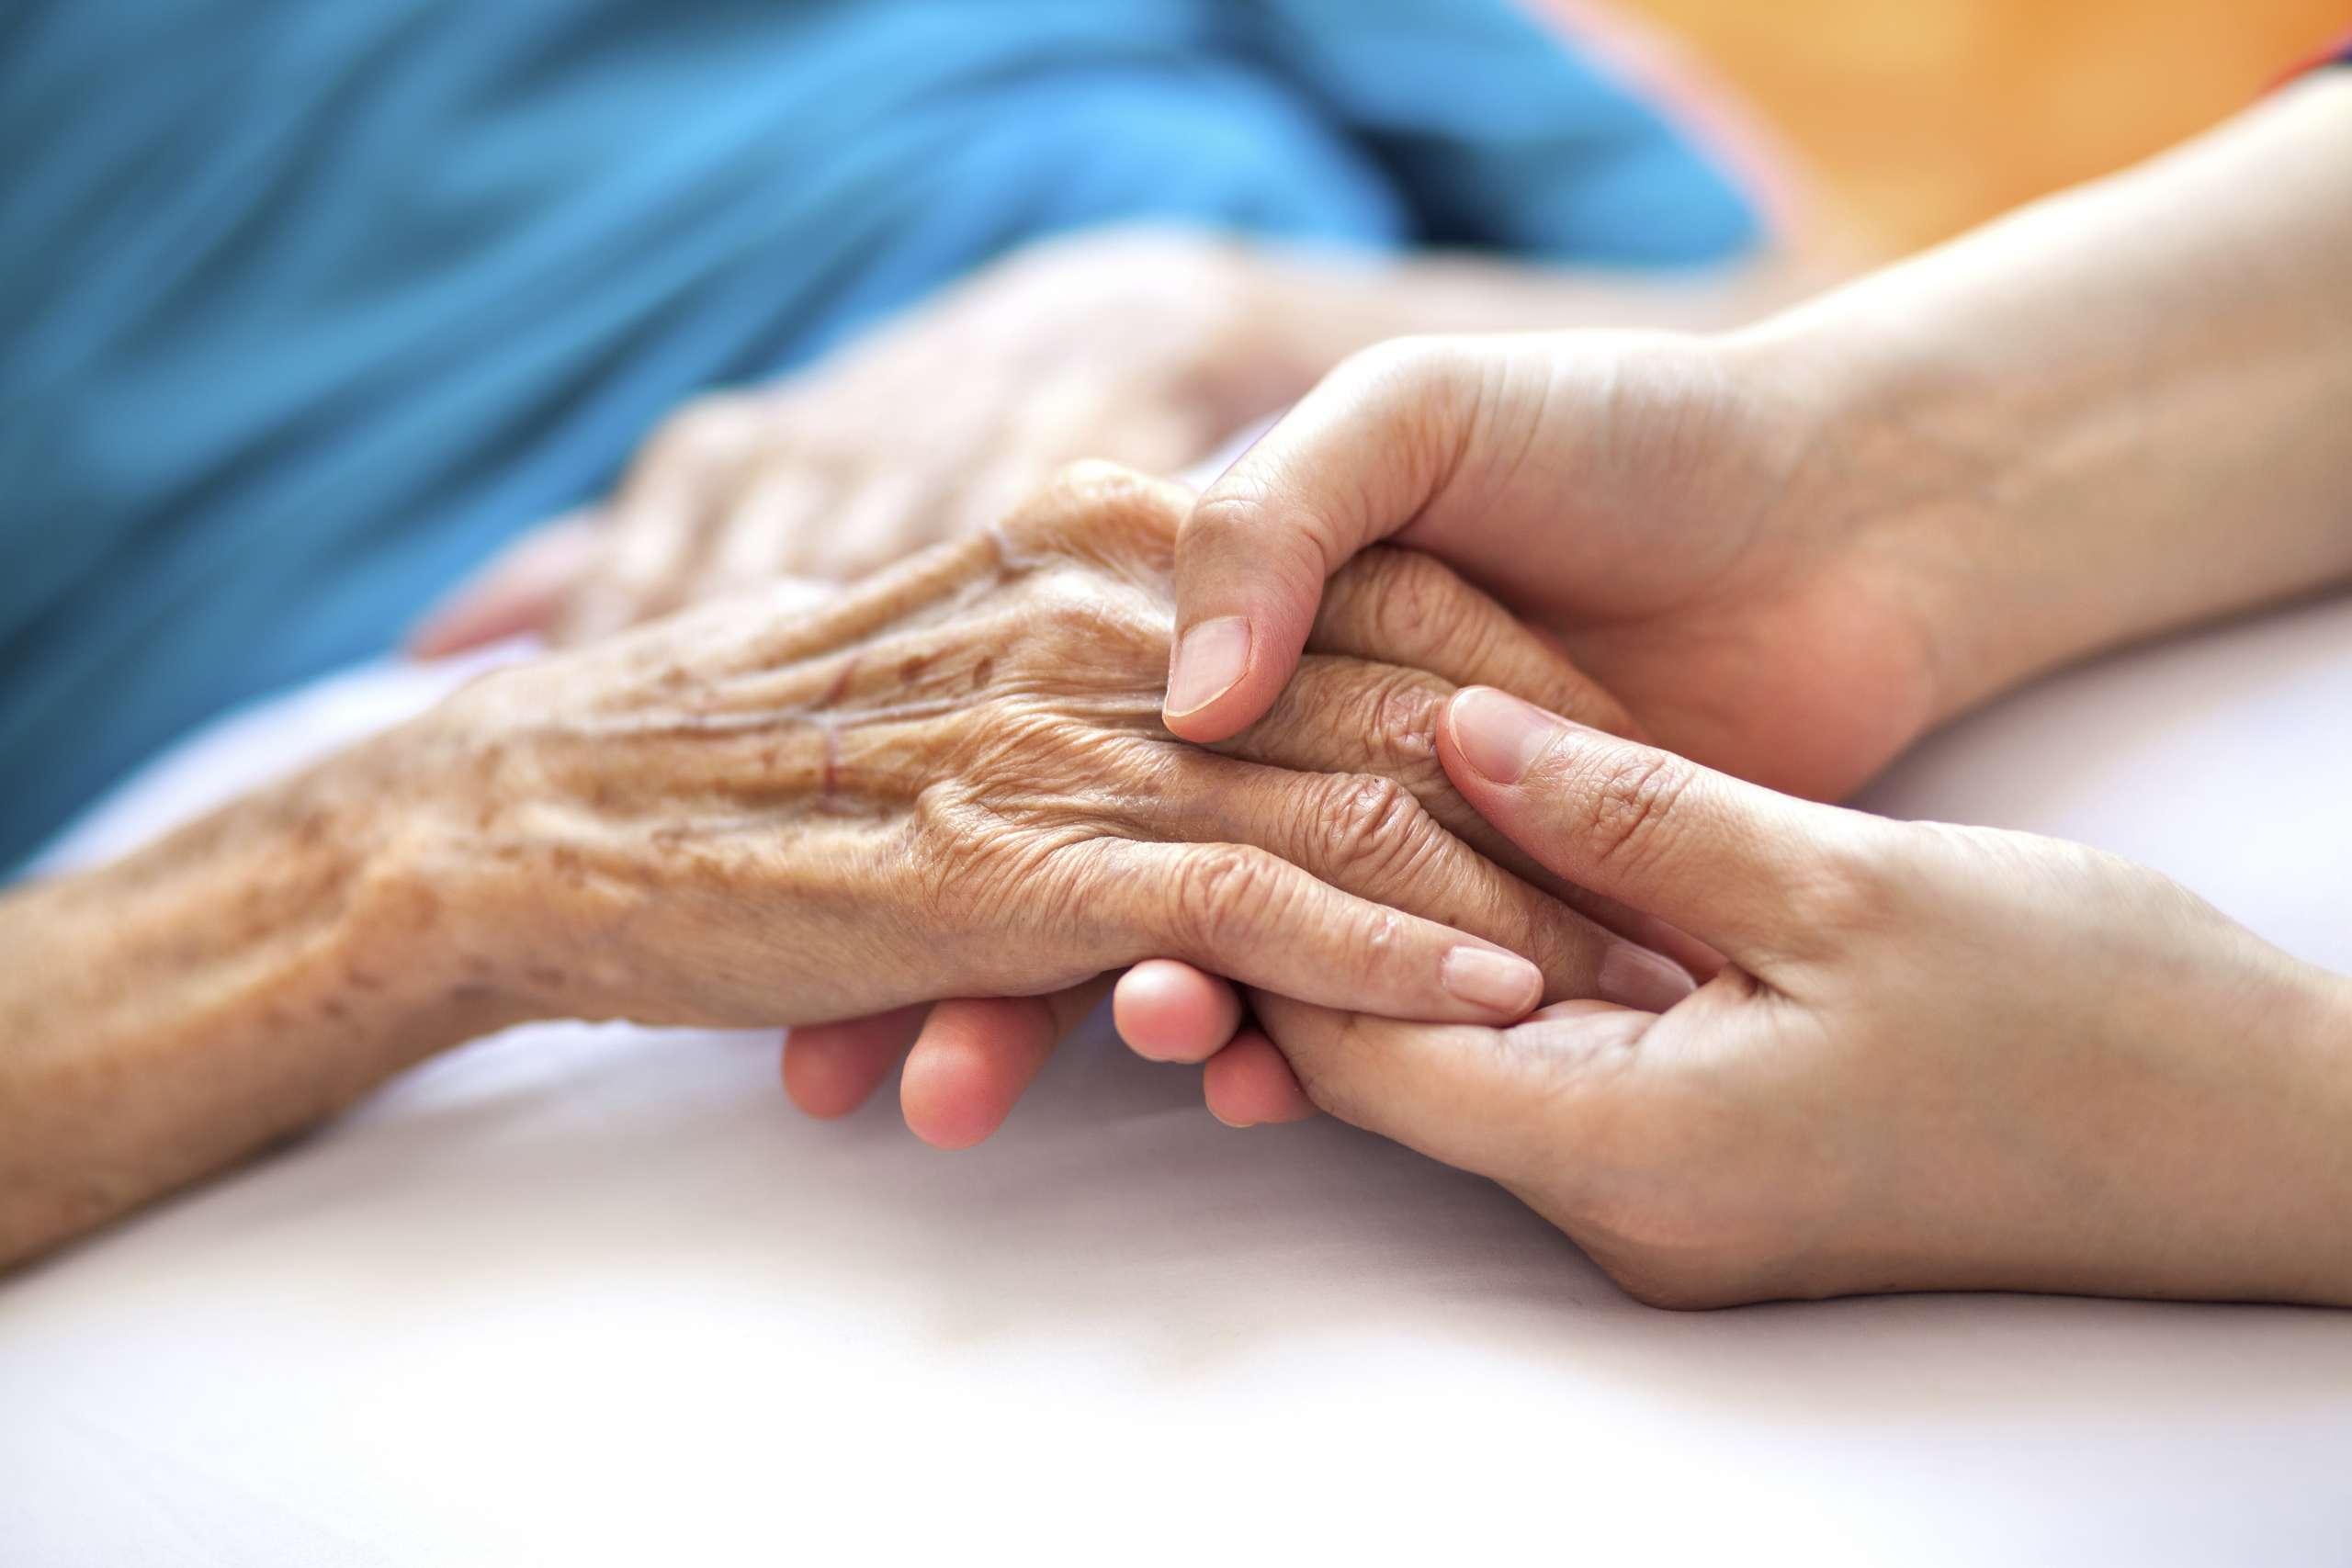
(1908,460)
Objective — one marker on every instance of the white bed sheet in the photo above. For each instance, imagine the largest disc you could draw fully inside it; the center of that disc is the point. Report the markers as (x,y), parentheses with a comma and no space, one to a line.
(590,1294)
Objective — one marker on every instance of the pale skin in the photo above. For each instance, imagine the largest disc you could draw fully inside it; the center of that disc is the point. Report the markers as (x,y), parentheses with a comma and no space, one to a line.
(1932,1057)
(1791,549)
(952,780)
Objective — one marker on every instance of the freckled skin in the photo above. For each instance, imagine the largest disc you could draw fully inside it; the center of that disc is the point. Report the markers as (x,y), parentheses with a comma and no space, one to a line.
(953,781)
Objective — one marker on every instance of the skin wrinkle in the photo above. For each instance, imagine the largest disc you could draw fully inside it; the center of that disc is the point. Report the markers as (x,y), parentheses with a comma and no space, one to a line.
(950,781)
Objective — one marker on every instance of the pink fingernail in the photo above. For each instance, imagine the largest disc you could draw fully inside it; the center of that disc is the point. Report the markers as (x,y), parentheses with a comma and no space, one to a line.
(1499,735)
(1636,978)
(1209,659)
(1499,982)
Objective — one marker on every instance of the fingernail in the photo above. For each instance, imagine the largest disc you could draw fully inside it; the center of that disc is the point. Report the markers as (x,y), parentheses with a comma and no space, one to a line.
(1636,978)
(1237,1126)
(1501,982)
(1499,735)
(1209,659)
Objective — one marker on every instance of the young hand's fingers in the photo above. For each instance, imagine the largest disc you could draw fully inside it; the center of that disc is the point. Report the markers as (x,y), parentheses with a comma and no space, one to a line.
(977,1055)
(1401,607)
(1339,719)
(1169,1011)
(830,1069)
(1497,1101)
(518,592)
(1716,856)
(1239,911)
(1336,717)
(1355,461)
(1367,836)
(1248,1083)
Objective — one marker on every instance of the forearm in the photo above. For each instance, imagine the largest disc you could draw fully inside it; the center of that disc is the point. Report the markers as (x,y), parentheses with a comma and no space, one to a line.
(171,1013)
(2304,1195)
(2118,412)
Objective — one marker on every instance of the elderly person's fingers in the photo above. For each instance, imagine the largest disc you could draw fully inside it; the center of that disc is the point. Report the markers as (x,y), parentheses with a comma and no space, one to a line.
(1398,606)
(1168,1012)
(831,1069)
(1249,1084)
(1332,716)
(767,525)
(673,497)
(975,1056)
(520,590)
(1367,835)
(1240,911)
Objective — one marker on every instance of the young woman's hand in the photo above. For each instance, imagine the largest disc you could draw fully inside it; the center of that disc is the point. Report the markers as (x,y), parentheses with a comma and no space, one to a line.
(1934,1058)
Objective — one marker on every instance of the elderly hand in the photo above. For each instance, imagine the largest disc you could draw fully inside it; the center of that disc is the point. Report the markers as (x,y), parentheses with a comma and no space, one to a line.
(1140,346)
(1935,1058)
(953,781)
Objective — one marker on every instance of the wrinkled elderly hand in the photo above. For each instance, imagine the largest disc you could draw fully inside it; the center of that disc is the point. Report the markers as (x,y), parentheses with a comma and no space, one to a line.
(1143,347)
(953,781)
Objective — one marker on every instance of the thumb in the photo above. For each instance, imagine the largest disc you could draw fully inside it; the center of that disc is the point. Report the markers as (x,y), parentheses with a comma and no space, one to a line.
(518,592)
(1355,461)
(1720,857)
(1500,1102)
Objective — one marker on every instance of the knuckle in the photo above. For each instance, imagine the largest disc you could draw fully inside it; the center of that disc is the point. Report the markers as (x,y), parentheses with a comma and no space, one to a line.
(1224,898)
(1415,602)
(1404,722)
(1372,825)
(1232,511)
(1095,482)
(1090,503)
(1627,808)
(1241,523)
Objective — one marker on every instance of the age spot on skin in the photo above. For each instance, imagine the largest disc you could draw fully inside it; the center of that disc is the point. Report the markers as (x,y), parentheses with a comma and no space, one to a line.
(982,670)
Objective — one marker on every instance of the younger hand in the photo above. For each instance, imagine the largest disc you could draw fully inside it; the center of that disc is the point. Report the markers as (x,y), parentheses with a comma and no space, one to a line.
(1938,1057)
(1692,519)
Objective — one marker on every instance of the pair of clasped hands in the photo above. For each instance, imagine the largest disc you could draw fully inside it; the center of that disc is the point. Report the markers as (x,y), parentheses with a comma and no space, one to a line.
(1828,1053)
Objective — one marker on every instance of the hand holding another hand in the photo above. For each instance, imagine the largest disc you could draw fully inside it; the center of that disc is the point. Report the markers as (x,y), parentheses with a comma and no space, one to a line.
(1935,1057)
(951,780)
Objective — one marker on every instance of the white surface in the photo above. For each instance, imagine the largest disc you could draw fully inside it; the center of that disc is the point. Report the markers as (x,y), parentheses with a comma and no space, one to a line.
(592,1294)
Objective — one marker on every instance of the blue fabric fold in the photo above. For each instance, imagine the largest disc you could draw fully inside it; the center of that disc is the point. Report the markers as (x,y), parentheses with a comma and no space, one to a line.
(305,309)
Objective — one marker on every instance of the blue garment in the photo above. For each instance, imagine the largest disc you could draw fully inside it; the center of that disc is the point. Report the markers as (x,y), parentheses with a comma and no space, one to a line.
(306,307)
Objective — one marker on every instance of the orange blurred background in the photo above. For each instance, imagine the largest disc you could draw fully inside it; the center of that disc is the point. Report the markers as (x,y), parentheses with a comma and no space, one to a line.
(1918,118)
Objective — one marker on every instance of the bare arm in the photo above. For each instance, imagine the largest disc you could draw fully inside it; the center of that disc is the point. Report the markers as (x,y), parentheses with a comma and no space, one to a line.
(2119,411)
(258,970)
(944,782)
